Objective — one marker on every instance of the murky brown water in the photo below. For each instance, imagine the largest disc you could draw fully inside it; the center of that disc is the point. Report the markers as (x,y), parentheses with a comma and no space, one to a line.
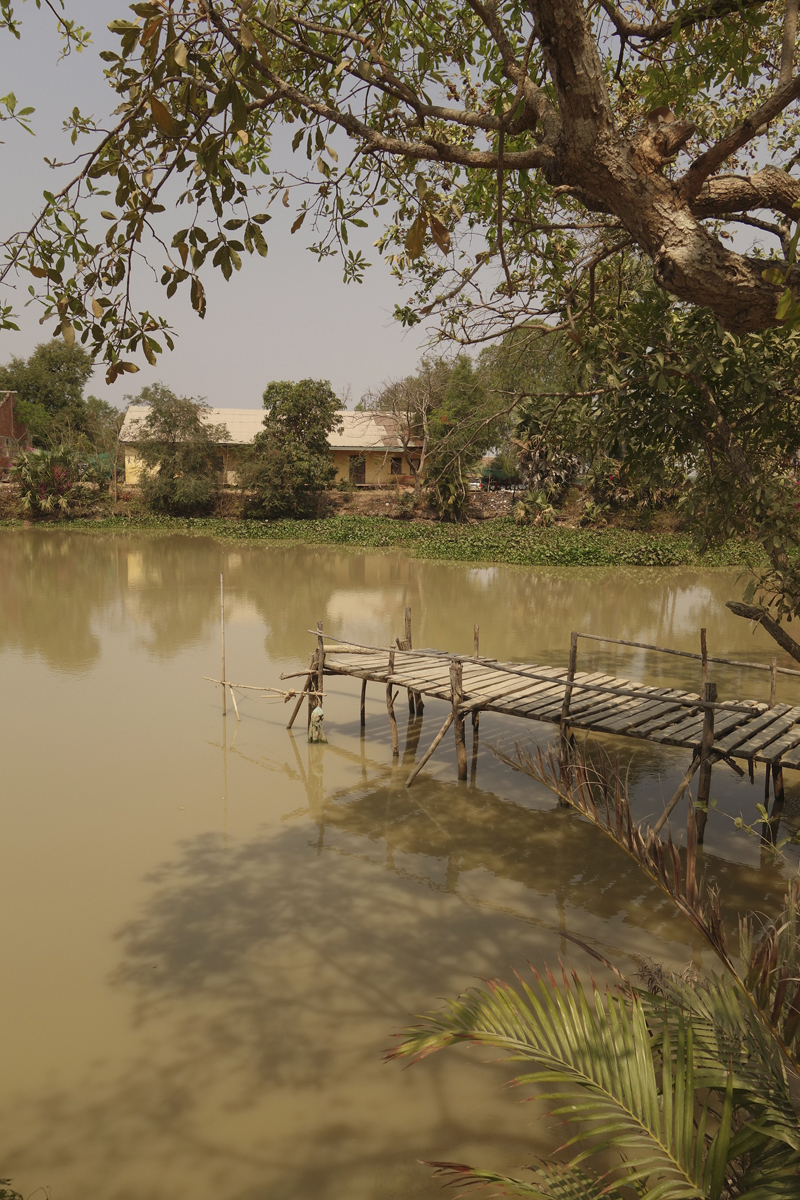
(209,933)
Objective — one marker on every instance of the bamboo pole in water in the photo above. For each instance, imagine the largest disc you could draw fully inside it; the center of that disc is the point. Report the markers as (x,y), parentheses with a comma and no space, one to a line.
(363,703)
(704,657)
(773,683)
(706,761)
(687,779)
(390,707)
(436,741)
(412,700)
(306,686)
(457,697)
(222,629)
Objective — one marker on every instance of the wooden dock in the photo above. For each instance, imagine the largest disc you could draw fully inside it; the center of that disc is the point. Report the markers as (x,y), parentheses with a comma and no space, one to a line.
(731,731)
(748,730)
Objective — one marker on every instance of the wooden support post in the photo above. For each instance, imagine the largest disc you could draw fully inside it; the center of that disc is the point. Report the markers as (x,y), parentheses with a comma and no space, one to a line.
(363,703)
(704,657)
(306,686)
(706,762)
(457,698)
(222,628)
(415,705)
(773,682)
(312,693)
(476,717)
(390,708)
(235,705)
(476,640)
(320,661)
(436,742)
(573,664)
(687,779)
(771,826)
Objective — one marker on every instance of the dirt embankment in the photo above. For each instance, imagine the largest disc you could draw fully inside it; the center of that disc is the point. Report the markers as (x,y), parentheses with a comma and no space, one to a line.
(392,503)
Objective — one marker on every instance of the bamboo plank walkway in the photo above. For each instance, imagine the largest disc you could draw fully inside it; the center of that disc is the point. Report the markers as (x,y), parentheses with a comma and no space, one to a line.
(744,729)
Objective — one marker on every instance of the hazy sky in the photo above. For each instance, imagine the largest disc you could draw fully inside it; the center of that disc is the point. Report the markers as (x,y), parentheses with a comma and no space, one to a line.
(286,317)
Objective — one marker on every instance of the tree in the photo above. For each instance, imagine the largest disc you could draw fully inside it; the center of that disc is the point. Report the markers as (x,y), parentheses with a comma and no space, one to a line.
(49,387)
(291,463)
(181,451)
(670,386)
(523,149)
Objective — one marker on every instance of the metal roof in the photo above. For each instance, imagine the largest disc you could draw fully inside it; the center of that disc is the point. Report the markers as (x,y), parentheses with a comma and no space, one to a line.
(360,430)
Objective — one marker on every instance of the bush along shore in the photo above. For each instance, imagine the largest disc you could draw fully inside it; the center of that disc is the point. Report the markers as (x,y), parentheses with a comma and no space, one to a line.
(493,541)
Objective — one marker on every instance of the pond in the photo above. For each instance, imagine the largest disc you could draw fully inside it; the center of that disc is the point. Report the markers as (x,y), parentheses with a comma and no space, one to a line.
(211,930)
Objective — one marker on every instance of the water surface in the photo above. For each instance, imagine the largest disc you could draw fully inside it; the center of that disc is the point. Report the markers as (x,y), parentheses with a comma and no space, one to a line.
(210,932)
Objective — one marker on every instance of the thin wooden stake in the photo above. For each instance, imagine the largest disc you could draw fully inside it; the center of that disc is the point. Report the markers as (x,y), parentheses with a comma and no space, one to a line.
(476,716)
(687,779)
(571,669)
(363,703)
(706,762)
(704,657)
(235,705)
(222,629)
(390,707)
(320,659)
(312,702)
(773,682)
(457,698)
(436,742)
(771,826)
(476,640)
(300,698)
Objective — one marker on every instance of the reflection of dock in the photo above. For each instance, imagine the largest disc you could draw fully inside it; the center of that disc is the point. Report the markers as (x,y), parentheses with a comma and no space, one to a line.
(573,700)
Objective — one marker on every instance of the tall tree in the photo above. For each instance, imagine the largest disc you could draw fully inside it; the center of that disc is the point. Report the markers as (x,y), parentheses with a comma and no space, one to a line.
(290,463)
(181,450)
(522,148)
(49,387)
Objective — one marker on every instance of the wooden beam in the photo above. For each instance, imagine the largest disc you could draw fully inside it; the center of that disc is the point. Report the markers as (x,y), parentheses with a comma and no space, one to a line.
(457,698)
(436,742)
(706,763)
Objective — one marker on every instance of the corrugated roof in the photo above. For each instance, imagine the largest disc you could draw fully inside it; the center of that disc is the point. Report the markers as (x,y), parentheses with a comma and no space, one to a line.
(360,430)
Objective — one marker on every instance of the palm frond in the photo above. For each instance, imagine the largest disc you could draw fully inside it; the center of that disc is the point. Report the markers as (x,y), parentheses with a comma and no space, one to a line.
(549,1181)
(595,1061)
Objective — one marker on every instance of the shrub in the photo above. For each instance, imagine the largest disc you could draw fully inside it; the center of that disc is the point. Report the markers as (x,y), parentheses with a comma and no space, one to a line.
(48,481)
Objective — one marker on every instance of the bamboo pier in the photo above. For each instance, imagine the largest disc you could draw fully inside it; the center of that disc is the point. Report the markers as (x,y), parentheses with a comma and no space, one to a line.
(713,731)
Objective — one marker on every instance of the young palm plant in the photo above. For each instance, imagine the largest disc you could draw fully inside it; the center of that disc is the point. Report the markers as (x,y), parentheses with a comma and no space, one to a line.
(674,1088)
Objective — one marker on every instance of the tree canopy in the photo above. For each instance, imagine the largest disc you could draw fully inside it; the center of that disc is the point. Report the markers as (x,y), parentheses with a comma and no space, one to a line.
(290,461)
(49,386)
(181,451)
(521,149)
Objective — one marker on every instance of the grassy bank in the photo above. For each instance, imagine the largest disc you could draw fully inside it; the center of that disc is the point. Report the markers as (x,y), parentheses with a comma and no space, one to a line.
(498,541)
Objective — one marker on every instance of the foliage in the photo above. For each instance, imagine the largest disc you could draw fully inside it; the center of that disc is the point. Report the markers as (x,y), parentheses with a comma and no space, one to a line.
(48,481)
(535,508)
(291,464)
(498,541)
(677,394)
(690,1083)
(506,191)
(181,452)
(542,466)
(49,387)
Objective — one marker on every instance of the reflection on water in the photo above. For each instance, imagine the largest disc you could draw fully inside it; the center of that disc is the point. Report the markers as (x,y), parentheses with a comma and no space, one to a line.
(210,931)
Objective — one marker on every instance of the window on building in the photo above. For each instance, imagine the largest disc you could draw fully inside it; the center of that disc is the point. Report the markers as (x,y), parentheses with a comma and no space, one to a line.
(396,466)
(358,468)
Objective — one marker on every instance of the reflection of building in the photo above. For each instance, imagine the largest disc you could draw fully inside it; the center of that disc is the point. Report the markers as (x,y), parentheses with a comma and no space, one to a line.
(14,435)
(368,449)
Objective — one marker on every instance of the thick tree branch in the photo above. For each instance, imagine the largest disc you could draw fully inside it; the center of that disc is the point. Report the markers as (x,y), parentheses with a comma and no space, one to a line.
(704,166)
(769,188)
(659,30)
(752,612)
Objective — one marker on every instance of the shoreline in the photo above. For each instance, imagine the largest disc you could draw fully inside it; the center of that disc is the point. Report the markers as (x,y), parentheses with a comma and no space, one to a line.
(497,540)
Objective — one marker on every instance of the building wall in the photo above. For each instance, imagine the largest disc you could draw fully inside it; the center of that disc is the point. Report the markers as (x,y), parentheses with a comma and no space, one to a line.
(377,467)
